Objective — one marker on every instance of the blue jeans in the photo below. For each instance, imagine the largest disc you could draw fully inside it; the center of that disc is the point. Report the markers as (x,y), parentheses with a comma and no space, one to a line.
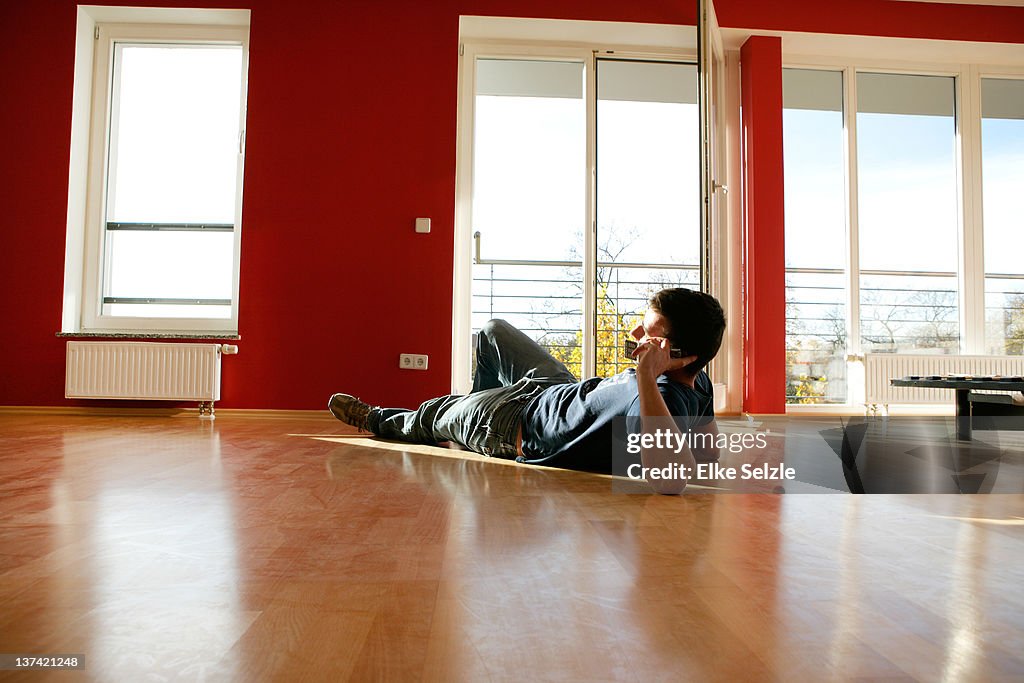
(511,370)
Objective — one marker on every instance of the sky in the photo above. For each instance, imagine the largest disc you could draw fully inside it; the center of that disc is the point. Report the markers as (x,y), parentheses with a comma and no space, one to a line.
(908,207)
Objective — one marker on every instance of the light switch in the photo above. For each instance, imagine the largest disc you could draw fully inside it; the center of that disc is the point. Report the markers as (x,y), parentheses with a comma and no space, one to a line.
(422,225)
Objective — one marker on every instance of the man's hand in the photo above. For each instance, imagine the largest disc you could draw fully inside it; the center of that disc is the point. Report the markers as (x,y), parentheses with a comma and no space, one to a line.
(654,357)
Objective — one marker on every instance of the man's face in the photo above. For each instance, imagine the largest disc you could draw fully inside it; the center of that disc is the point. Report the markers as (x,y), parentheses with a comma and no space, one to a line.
(654,325)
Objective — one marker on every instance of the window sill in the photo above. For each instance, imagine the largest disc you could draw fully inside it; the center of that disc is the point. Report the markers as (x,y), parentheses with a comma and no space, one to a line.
(233,336)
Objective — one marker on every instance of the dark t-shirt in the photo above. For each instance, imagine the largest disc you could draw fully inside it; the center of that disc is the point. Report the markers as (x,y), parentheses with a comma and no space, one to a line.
(570,425)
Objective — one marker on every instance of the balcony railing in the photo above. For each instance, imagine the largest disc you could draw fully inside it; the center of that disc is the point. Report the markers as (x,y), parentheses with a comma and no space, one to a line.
(544,300)
(899,311)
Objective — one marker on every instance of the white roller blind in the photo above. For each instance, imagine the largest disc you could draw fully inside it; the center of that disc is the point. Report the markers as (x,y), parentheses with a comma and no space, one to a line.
(1002,98)
(632,81)
(524,78)
(904,94)
(812,89)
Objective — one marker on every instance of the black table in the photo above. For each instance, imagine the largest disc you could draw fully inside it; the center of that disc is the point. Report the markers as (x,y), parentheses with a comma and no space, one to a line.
(963,387)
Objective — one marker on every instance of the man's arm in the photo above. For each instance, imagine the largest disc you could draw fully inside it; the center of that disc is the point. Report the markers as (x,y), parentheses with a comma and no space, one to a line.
(652,360)
(709,452)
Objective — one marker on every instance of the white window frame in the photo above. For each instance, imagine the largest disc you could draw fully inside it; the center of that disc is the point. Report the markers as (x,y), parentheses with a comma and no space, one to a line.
(102,27)
(967,64)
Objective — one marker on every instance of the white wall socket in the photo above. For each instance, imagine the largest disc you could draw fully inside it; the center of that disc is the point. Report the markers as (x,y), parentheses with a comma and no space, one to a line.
(412,361)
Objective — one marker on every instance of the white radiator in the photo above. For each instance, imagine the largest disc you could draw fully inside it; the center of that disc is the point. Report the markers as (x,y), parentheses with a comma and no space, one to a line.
(143,370)
(879,368)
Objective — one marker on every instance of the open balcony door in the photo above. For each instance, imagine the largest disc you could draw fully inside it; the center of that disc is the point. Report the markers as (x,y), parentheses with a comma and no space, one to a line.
(713,161)
(546,177)
(710,73)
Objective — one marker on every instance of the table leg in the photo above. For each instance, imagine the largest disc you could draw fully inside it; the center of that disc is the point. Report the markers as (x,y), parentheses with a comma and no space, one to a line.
(963,414)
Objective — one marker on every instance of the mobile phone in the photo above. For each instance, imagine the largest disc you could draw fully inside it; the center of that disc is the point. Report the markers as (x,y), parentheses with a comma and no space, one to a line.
(631,344)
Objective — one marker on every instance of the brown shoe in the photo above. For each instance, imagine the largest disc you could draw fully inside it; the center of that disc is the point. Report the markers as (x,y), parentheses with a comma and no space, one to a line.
(350,410)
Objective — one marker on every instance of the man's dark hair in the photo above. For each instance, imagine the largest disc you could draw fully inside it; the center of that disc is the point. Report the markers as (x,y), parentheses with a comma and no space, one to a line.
(696,323)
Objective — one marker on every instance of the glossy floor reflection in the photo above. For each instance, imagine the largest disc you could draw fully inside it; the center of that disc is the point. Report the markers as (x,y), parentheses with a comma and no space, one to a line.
(287,549)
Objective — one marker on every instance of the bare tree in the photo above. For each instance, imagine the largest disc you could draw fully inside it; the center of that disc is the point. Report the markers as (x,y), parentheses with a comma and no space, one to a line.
(939,326)
(1013,324)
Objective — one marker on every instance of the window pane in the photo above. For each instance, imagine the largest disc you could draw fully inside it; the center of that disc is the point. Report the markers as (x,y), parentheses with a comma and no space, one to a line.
(816,337)
(815,200)
(174,159)
(648,192)
(167,311)
(529,185)
(169,265)
(1002,135)
(906,135)
(192,265)
(174,146)
(903,312)
(541,301)
(529,159)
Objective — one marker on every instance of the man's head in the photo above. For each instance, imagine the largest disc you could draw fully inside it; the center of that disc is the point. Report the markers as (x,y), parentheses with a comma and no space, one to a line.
(691,321)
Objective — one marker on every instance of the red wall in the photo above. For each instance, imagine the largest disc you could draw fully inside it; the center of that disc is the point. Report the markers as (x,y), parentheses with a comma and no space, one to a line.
(350,136)
(764,227)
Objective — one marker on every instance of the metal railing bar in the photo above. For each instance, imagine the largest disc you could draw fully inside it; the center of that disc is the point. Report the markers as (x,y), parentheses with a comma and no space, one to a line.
(951,311)
(800,302)
(171,227)
(814,303)
(930,291)
(824,289)
(882,334)
(815,400)
(507,282)
(575,281)
(871,271)
(815,271)
(552,330)
(909,343)
(525,296)
(568,281)
(900,273)
(506,289)
(579,264)
(478,259)
(541,315)
(822,353)
(164,300)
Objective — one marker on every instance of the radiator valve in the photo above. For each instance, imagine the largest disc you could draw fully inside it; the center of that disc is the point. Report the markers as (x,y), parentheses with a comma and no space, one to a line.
(206,410)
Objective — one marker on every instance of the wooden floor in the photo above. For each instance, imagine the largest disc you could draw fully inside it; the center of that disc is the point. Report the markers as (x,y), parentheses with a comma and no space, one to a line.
(171,548)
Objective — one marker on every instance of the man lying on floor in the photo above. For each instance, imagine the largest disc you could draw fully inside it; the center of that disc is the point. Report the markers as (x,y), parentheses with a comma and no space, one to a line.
(526,405)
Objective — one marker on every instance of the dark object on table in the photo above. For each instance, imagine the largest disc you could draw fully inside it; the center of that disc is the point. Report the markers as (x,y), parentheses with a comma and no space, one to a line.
(986,409)
(963,388)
